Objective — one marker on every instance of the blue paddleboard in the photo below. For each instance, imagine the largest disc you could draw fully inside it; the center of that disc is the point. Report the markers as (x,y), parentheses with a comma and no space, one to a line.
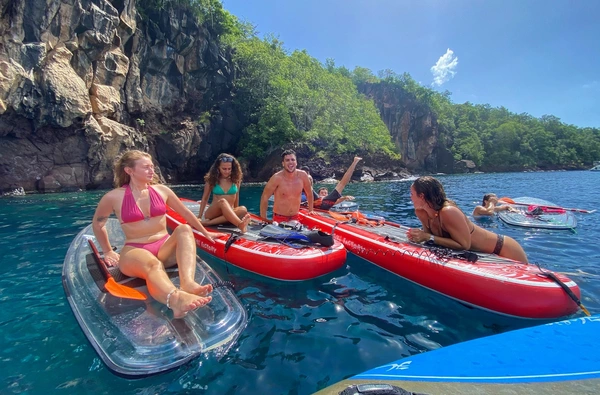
(563,356)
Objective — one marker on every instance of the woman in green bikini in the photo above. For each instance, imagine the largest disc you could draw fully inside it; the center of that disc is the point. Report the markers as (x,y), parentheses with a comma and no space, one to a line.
(223,180)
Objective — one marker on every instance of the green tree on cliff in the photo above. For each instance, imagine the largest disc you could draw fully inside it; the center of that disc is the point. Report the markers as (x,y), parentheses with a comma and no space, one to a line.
(294,99)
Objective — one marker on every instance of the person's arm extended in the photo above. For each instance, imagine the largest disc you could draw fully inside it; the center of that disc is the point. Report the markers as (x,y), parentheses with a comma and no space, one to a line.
(503,207)
(204,201)
(310,199)
(344,198)
(481,210)
(176,204)
(457,226)
(264,199)
(103,212)
(237,196)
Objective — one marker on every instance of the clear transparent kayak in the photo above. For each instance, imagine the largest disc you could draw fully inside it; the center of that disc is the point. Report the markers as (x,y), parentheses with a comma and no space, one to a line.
(547,220)
(137,338)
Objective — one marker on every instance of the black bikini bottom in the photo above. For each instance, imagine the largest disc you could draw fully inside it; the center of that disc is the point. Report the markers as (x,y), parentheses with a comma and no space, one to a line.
(499,244)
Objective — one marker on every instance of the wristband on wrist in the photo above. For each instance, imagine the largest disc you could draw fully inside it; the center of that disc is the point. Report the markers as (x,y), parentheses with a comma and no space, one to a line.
(432,238)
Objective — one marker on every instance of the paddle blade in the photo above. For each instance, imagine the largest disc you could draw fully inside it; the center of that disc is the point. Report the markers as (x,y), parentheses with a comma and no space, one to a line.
(507,200)
(113,287)
(123,291)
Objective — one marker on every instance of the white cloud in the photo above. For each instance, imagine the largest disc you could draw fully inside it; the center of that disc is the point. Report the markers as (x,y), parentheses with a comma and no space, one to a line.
(445,68)
(590,85)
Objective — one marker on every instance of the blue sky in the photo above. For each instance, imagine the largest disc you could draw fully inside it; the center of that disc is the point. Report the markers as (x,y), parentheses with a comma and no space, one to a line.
(539,57)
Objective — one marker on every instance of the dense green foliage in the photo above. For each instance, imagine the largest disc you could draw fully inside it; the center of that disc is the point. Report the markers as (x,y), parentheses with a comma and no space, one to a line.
(495,138)
(207,12)
(293,100)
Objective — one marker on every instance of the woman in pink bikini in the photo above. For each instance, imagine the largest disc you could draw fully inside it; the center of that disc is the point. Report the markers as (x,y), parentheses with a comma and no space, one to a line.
(223,180)
(140,203)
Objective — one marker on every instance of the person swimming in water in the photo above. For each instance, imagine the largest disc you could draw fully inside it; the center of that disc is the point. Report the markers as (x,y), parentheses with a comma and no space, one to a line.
(489,206)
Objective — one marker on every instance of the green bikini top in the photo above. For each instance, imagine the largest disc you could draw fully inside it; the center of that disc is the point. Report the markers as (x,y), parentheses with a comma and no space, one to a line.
(217,190)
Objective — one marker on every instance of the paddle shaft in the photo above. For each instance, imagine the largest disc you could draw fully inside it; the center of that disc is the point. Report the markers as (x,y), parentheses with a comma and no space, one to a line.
(578,210)
(113,287)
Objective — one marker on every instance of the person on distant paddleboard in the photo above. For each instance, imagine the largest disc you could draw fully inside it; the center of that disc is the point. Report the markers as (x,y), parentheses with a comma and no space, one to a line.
(140,204)
(446,225)
(327,200)
(489,206)
(223,180)
(287,185)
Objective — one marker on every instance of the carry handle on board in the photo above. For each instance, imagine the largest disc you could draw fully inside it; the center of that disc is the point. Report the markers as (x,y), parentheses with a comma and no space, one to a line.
(577,210)
(113,287)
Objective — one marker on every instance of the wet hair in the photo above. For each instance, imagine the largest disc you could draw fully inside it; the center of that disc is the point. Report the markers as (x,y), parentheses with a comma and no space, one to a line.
(323,189)
(128,159)
(288,152)
(212,177)
(487,197)
(433,192)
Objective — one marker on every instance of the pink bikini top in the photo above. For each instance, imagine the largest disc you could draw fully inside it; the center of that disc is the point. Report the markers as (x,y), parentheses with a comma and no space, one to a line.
(130,212)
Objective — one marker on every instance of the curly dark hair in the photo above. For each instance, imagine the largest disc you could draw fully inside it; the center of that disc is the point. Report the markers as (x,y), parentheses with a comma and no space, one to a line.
(212,177)
(433,192)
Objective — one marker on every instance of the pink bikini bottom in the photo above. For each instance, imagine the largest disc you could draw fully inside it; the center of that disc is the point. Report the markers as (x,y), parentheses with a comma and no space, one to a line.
(152,247)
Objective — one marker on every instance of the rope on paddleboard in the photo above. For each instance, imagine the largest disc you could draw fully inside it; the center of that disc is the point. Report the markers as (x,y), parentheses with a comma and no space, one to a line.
(568,291)
(448,253)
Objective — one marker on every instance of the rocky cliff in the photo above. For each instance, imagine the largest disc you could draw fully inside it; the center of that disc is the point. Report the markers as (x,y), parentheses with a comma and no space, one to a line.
(413,128)
(81,80)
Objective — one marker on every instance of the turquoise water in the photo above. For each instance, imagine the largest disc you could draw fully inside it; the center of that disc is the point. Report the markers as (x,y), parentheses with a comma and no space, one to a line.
(300,337)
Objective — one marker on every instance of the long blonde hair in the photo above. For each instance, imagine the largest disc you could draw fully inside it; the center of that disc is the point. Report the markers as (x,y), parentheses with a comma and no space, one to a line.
(128,160)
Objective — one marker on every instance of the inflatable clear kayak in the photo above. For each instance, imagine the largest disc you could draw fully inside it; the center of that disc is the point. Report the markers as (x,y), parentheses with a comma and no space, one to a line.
(134,337)
(538,213)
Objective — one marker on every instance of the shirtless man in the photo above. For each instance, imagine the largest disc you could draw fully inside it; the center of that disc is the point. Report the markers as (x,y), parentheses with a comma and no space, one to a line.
(287,186)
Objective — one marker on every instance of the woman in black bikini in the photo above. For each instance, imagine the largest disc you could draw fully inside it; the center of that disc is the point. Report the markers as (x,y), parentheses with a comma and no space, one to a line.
(446,225)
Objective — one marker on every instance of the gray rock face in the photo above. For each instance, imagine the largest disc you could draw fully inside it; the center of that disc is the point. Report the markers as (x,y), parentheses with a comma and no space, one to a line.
(83,80)
(413,128)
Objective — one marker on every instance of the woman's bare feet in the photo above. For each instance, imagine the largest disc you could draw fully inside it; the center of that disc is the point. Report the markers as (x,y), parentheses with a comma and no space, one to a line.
(197,289)
(243,225)
(182,302)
